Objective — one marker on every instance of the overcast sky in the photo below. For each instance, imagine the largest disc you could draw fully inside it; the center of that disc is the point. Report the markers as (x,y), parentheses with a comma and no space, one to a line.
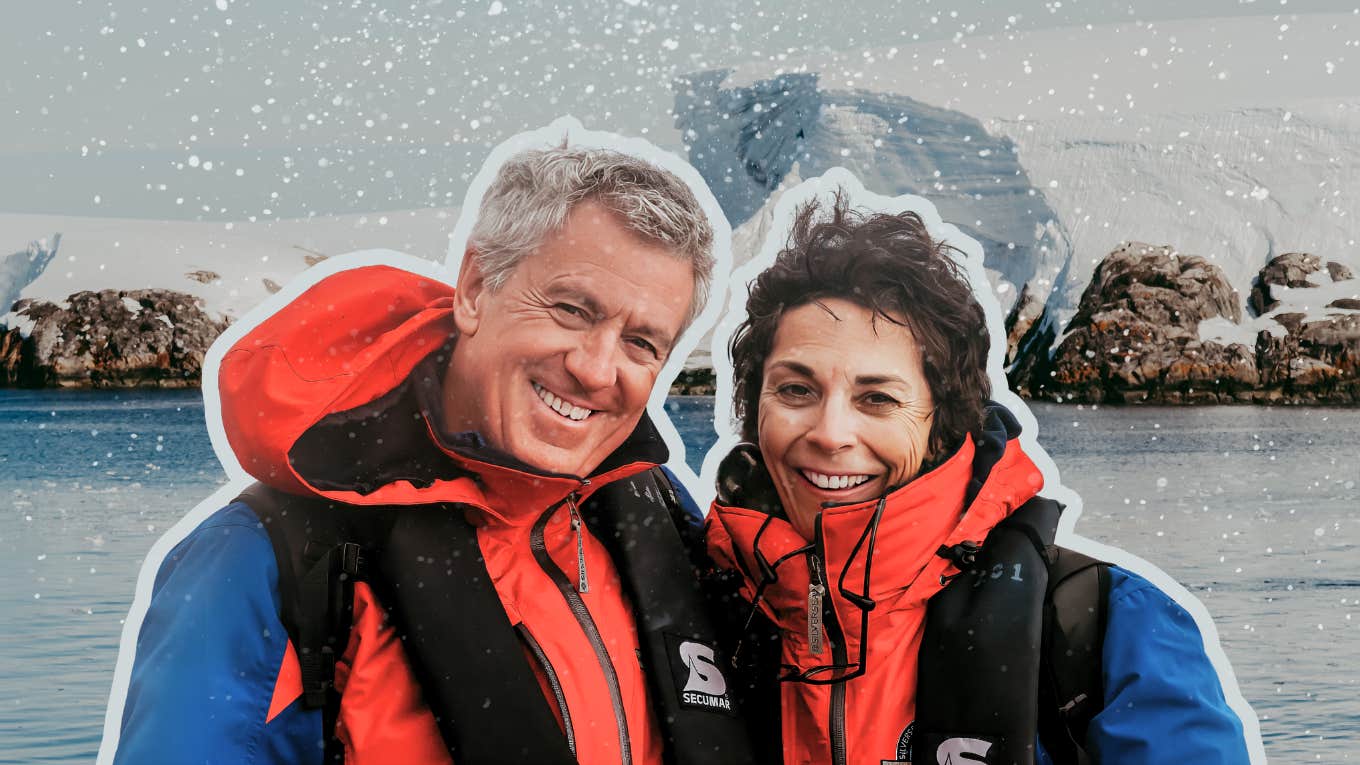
(227,109)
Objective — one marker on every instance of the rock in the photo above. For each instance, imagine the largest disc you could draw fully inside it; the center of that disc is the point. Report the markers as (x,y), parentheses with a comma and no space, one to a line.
(11,358)
(110,339)
(1350,303)
(1021,319)
(694,382)
(1315,362)
(1030,332)
(1292,270)
(1135,336)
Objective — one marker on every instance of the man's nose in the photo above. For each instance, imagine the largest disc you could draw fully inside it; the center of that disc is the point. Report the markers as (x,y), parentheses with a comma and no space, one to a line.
(835,427)
(593,362)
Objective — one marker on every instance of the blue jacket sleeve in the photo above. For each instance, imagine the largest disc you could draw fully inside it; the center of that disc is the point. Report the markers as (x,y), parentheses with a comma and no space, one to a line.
(208,657)
(693,514)
(1163,699)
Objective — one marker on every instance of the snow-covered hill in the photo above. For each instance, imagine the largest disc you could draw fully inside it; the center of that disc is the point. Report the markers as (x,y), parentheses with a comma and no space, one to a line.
(1234,139)
(231,266)
(1236,187)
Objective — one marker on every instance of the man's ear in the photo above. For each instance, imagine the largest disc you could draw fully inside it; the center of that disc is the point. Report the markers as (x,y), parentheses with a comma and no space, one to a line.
(469,294)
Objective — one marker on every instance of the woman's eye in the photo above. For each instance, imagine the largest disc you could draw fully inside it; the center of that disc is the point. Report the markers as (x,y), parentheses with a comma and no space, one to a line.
(794,391)
(880,400)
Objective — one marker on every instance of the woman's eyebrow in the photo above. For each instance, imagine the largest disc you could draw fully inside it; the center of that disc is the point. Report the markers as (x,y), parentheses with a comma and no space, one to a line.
(880,380)
(794,367)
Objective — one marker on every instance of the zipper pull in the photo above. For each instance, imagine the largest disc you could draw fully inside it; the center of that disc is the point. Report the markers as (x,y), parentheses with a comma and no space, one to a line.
(582,581)
(816,591)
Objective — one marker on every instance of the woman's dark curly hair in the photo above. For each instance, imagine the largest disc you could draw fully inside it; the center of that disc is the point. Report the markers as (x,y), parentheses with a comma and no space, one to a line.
(889,265)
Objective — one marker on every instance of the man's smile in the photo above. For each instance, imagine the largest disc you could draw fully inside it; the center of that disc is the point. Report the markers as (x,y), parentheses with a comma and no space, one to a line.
(561,405)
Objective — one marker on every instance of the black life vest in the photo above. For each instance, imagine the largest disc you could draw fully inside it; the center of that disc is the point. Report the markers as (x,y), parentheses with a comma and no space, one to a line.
(426,569)
(1012,646)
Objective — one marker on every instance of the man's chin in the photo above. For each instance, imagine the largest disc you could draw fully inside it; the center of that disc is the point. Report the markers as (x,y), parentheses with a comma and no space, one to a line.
(555,458)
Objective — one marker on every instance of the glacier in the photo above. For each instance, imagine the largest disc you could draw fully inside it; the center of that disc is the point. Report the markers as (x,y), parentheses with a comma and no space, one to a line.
(20,269)
(746,140)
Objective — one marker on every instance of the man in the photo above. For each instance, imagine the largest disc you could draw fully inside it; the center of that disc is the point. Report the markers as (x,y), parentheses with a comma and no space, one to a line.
(459,454)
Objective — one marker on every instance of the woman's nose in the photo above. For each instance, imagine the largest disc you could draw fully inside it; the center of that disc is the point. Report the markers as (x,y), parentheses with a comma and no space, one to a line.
(834,428)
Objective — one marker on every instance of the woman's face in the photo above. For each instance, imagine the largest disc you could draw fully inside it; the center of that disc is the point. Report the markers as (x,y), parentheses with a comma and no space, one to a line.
(845,411)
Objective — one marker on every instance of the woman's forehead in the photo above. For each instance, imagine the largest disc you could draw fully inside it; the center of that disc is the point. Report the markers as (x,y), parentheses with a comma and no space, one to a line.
(839,337)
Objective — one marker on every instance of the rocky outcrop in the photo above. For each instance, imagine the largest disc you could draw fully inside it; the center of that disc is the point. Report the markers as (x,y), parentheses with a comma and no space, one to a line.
(1313,362)
(109,339)
(694,382)
(1307,355)
(1291,270)
(1135,336)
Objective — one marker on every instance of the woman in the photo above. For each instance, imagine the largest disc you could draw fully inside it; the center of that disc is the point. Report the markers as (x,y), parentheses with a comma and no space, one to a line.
(876,471)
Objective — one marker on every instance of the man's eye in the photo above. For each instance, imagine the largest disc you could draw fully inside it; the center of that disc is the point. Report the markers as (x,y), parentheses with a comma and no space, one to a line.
(570,310)
(638,342)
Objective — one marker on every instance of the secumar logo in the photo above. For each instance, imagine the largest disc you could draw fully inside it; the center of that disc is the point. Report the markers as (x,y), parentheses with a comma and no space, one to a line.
(705,686)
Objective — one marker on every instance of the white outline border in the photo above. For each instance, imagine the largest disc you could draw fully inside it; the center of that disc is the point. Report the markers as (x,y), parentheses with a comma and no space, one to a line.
(822,187)
(568,128)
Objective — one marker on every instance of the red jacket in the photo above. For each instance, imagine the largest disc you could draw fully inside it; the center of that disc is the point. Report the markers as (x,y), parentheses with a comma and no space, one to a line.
(343,346)
(917,520)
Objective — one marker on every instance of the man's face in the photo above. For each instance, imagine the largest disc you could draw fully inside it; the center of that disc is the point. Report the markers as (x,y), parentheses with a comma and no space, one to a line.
(556,366)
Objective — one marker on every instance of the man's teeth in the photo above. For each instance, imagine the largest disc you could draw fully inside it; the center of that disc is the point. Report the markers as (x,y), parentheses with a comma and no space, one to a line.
(561,407)
(834,481)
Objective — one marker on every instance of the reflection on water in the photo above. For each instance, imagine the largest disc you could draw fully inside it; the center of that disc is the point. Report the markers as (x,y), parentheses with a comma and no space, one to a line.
(1256,511)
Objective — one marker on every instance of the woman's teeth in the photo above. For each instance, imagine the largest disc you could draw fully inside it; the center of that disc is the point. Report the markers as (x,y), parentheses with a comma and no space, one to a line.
(834,481)
(561,407)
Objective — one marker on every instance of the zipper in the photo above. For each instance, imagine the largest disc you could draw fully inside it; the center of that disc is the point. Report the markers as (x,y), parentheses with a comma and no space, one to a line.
(554,682)
(834,636)
(572,595)
(816,595)
(582,581)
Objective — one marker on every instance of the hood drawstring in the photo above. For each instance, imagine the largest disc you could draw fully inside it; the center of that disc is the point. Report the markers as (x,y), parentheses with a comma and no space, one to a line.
(768,576)
(863,601)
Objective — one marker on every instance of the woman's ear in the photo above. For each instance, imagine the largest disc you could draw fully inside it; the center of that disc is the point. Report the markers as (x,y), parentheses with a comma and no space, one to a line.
(468,294)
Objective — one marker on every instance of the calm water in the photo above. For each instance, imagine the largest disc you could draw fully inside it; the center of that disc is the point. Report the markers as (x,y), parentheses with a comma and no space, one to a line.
(1257,511)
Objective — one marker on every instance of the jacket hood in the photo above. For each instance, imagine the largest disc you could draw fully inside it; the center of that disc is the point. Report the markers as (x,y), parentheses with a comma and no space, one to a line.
(959,500)
(338,394)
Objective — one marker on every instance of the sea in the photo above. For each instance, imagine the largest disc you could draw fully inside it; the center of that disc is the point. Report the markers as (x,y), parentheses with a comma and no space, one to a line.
(1256,511)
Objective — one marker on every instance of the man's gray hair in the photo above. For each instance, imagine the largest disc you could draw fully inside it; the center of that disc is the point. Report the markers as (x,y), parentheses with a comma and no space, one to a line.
(535,190)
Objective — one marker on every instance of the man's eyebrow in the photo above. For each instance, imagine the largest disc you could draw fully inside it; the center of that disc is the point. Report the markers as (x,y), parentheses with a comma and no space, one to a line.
(654,335)
(649,332)
(587,301)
